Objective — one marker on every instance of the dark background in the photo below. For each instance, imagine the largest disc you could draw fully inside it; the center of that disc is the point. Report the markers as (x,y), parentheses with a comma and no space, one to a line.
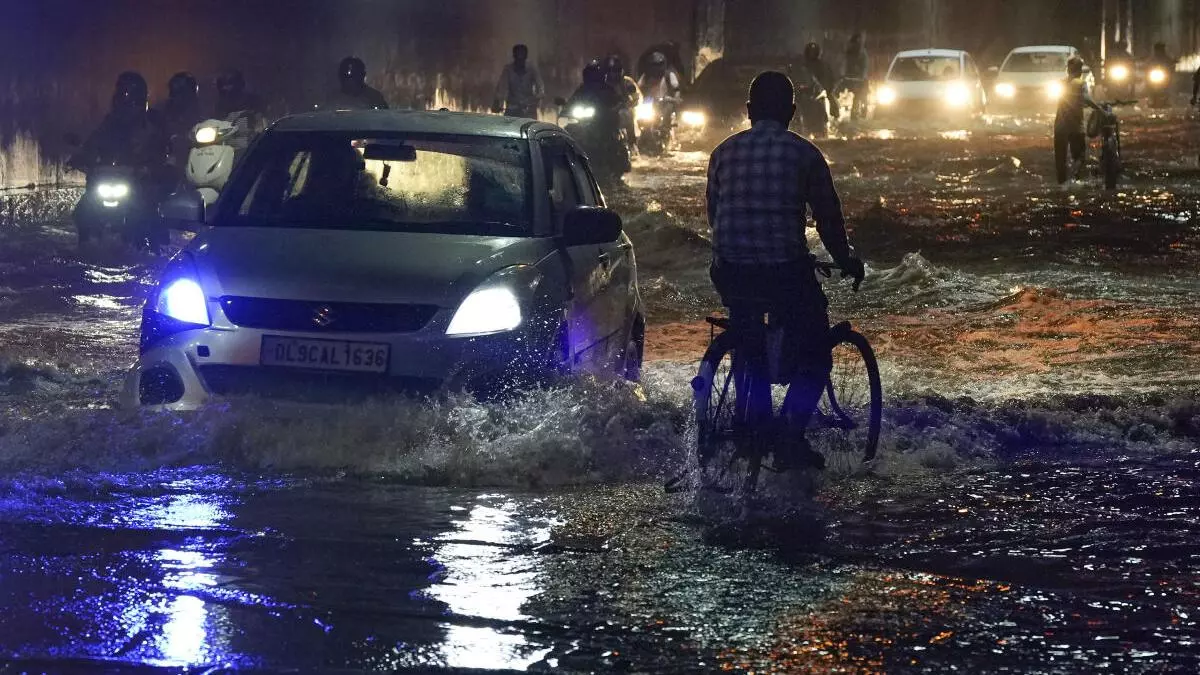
(58,58)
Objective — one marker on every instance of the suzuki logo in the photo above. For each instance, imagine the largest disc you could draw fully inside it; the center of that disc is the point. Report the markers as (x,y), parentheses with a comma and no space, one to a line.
(323,316)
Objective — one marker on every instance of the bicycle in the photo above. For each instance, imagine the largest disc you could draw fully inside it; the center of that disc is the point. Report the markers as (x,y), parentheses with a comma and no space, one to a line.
(849,413)
(1108,127)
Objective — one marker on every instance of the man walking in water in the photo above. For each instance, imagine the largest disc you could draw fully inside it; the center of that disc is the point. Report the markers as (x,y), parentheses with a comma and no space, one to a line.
(761,183)
(520,90)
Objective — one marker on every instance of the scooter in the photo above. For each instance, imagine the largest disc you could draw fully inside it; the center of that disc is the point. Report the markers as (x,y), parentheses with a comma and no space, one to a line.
(216,146)
(1158,86)
(656,126)
(812,105)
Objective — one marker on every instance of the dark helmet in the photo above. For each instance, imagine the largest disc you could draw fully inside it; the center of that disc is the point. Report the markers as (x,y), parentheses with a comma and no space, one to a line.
(183,87)
(812,51)
(1075,66)
(658,59)
(131,91)
(520,52)
(614,69)
(353,71)
(594,71)
(230,82)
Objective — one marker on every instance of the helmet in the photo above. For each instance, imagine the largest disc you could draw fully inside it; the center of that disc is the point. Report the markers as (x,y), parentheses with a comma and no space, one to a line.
(183,87)
(658,59)
(593,71)
(613,68)
(230,82)
(131,91)
(1075,66)
(352,70)
(812,51)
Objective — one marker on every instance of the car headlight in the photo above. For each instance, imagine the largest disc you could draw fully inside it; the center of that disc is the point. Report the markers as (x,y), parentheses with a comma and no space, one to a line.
(1158,76)
(646,113)
(958,95)
(693,118)
(1119,73)
(1054,90)
(205,135)
(886,96)
(182,299)
(583,112)
(1005,90)
(498,305)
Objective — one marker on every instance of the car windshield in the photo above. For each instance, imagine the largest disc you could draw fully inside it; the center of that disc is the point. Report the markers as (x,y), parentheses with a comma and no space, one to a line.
(925,68)
(445,184)
(1035,62)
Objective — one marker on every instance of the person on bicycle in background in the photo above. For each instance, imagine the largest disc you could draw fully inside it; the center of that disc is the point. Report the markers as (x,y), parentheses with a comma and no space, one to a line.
(1069,123)
(761,183)
(856,70)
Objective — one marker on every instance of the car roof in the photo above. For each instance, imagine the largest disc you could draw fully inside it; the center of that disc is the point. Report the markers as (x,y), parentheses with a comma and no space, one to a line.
(929,52)
(411,121)
(1062,49)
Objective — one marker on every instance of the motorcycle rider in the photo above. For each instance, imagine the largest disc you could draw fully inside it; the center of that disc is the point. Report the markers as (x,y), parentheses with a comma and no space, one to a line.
(520,89)
(232,98)
(1119,55)
(605,123)
(129,137)
(1069,133)
(627,88)
(856,70)
(177,115)
(660,83)
(353,92)
(823,73)
(761,184)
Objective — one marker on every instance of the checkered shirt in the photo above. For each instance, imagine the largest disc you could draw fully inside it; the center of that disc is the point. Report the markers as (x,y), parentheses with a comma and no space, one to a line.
(761,183)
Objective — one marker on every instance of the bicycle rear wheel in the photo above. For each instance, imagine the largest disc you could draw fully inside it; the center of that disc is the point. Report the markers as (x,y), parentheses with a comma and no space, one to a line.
(727,460)
(851,409)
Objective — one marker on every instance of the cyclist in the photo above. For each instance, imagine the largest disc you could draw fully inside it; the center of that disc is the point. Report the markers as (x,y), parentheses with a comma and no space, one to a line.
(1068,123)
(760,184)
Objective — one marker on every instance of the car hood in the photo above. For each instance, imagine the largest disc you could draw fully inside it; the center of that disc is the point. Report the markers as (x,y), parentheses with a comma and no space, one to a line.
(354,265)
(924,89)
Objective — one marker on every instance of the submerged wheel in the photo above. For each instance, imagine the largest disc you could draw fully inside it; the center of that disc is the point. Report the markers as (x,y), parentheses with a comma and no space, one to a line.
(1110,165)
(851,410)
(723,459)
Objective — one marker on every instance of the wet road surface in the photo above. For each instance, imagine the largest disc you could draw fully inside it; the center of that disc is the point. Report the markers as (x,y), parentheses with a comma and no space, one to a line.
(1035,507)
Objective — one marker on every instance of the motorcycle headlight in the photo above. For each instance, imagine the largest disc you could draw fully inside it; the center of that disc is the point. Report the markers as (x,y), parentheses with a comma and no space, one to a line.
(1005,90)
(886,96)
(496,306)
(1054,90)
(646,112)
(113,191)
(957,95)
(206,135)
(583,112)
(1158,76)
(693,118)
(1119,73)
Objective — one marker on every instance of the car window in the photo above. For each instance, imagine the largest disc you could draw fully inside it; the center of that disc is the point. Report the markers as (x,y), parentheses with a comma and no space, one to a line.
(925,68)
(589,192)
(560,181)
(1036,62)
(972,70)
(469,185)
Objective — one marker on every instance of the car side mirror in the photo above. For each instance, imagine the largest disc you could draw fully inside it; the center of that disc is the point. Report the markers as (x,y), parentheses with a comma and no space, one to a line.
(183,210)
(587,225)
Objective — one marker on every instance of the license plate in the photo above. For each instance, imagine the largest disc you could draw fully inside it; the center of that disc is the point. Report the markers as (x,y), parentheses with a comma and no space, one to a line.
(356,357)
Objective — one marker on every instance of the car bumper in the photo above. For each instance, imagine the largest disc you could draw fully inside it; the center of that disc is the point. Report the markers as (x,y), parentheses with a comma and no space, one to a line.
(186,370)
(1032,100)
(917,110)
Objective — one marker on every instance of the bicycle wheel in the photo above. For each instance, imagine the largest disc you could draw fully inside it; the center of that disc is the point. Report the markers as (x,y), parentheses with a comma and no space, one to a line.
(1110,163)
(725,457)
(851,409)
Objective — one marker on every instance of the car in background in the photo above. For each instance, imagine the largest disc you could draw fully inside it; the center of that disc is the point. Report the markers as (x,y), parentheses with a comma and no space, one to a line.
(924,85)
(714,106)
(1030,80)
(385,251)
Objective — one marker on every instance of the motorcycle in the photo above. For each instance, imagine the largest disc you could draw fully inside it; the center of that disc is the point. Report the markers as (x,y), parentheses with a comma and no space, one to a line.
(216,146)
(854,94)
(656,126)
(117,201)
(1158,86)
(812,105)
(1107,126)
(598,132)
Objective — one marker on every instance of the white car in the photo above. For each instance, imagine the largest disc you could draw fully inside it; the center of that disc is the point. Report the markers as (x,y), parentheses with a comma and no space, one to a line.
(1031,78)
(938,84)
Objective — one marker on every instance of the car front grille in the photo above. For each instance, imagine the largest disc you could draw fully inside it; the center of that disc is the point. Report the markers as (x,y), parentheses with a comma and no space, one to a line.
(309,387)
(325,317)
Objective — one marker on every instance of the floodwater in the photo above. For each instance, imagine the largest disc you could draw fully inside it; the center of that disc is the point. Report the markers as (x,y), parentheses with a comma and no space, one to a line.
(1034,508)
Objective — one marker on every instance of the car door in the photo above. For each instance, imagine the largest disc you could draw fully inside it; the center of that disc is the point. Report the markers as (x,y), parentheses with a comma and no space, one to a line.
(585,323)
(616,275)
